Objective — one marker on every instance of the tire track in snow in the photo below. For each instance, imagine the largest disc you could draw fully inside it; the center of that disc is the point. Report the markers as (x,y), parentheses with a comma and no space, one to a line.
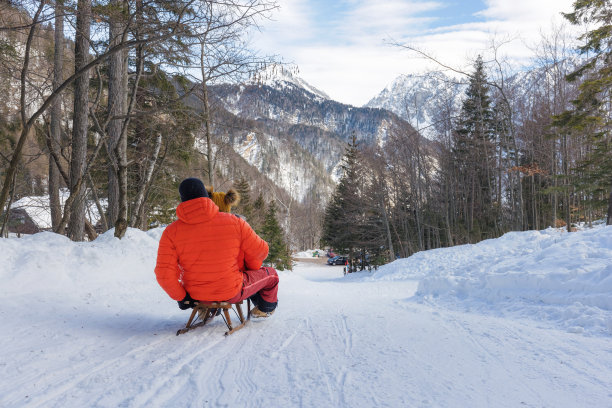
(347,338)
(245,381)
(179,369)
(317,354)
(233,385)
(474,340)
(138,375)
(77,372)
(335,373)
(284,345)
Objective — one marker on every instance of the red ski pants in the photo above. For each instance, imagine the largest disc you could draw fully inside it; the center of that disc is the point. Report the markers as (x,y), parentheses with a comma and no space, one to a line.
(263,281)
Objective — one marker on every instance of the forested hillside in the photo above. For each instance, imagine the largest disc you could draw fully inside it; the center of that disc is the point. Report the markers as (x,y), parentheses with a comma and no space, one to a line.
(150,122)
(147,122)
(516,148)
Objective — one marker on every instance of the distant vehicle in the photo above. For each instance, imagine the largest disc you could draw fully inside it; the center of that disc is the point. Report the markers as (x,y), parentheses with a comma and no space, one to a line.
(330,254)
(331,260)
(341,260)
(337,260)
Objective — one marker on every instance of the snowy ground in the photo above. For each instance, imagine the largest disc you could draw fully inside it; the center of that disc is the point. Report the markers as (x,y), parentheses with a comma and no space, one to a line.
(311,253)
(524,320)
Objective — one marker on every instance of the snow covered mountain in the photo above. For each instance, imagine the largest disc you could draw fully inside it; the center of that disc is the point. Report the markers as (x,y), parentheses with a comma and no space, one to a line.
(282,77)
(282,116)
(422,100)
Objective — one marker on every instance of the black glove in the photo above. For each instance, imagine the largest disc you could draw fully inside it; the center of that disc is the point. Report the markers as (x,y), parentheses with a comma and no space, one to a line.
(187,302)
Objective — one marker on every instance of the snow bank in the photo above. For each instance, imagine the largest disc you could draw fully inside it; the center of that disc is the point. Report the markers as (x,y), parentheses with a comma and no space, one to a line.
(310,253)
(51,263)
(549,275)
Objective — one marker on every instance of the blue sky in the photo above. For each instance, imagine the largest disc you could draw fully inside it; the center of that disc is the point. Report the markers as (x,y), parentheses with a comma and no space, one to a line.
(343,47)
(457,12)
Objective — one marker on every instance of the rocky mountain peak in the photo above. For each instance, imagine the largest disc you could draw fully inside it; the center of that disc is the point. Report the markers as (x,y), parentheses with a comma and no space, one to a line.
(280,77)
(418,99)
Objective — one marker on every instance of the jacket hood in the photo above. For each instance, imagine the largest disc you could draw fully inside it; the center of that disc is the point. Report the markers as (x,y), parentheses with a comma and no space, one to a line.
(197,210)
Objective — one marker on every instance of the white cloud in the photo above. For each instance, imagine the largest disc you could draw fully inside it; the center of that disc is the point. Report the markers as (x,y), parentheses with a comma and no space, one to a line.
(378,19)
(292,22)
(524,10)
(348,55)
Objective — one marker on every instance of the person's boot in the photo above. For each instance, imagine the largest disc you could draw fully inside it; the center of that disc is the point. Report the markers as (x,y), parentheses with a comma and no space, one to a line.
(255,312)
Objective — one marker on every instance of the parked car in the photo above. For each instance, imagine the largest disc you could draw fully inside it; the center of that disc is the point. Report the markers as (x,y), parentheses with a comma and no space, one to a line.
(339,260)
(331,260)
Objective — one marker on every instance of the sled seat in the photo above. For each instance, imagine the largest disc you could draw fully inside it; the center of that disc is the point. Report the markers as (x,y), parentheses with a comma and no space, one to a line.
(204,312)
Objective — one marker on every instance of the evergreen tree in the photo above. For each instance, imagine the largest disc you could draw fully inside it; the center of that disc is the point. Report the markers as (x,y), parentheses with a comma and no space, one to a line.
(245,207)
(344,213)
(280,254)
(258,214)
(474,156)
(591,115)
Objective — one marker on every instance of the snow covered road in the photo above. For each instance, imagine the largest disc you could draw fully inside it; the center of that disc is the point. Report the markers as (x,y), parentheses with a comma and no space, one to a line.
(104,336)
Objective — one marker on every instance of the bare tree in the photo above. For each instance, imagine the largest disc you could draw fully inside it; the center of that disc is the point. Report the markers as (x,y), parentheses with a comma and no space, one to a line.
(80,124)
(117,101)
(56,114)
(224,54)
(177,24)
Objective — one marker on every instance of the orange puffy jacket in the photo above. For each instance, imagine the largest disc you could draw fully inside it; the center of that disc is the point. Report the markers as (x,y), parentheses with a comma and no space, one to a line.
(205,251)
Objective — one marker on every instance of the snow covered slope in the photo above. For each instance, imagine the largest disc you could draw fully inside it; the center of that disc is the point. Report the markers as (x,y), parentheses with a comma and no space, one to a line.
(85,324)
(545,275)
(37,207)
(422,100)
(281,77)
(298,121)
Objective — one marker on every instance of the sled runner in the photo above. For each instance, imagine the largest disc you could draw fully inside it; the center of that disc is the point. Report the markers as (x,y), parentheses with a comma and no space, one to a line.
(204,312)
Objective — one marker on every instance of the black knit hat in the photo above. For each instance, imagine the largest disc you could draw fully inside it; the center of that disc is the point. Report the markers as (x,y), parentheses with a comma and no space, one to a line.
(191,188)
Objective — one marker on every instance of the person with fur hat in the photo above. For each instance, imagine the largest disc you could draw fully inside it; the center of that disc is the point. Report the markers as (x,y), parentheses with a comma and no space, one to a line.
(208,255)
(225,201)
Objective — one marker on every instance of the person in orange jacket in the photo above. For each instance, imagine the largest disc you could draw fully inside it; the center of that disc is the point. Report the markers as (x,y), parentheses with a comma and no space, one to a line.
(208,255)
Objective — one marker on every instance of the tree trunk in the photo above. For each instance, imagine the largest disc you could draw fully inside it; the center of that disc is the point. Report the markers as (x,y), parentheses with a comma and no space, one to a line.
(122,223)
(11,171)
(120,150)
(609,220)
(80,124)
(568,215)
(117,104)
(138,210)
(383,211)
(27,124)
(56,116)
(207,119)
(96,199)
(7,215)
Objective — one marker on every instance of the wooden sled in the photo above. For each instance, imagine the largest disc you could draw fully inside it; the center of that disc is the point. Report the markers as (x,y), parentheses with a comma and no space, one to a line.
(204,312)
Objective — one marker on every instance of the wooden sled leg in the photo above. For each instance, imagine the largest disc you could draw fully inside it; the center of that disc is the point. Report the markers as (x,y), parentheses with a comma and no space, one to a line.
(188,325)
(243,321)
(240,315)
(207,311)
(202,312)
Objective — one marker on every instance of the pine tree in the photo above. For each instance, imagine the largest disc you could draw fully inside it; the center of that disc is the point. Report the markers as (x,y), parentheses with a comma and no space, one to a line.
(474,155)
(592,112)
(244,207)
(258,214)
(280,254)
(344,213)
